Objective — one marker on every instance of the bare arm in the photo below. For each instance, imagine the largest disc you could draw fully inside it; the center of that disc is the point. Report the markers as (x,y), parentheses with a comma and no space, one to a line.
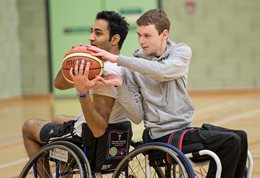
(97,112)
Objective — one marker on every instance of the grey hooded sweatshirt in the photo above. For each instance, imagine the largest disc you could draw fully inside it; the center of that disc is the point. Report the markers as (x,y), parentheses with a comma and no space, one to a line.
(155,89)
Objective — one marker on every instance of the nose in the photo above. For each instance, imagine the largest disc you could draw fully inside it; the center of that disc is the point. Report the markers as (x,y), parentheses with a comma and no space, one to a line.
(141,40)
(91,37)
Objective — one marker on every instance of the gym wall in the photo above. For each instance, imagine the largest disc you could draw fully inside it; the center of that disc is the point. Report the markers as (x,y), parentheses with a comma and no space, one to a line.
(224,36)
(70,23)
(23,48)
(225,40)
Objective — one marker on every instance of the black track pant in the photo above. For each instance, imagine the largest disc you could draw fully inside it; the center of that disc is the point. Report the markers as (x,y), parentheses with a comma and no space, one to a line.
(230,146)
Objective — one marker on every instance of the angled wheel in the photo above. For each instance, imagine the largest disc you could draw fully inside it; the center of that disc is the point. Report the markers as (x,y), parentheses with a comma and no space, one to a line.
(154,160)
(55,160)
(83,158)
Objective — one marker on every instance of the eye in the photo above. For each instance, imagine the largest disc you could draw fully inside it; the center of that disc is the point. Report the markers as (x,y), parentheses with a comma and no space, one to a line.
(98,33)
(147,36)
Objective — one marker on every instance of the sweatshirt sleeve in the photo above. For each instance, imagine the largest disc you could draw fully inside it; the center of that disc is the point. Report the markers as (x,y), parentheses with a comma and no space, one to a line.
(130,97)
(173,66)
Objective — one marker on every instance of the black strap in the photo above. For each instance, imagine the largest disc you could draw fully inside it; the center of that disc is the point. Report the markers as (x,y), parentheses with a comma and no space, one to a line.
(176,138)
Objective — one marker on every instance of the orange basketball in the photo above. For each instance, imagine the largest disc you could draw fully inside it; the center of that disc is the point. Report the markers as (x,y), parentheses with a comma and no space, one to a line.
(78,53)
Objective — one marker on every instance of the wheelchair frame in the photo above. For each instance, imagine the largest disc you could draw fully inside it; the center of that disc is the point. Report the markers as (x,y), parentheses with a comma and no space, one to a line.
(184,162)
(83,168)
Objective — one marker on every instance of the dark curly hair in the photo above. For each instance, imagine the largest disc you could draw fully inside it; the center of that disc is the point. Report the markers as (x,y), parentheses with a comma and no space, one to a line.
(116,23)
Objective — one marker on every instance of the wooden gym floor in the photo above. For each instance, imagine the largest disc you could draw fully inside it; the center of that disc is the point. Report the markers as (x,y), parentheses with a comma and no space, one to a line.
(232,109)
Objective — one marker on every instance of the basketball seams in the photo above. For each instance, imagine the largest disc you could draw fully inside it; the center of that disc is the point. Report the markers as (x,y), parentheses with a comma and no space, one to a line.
(96,64)
(70,81)
(94,68)
(92,61)
(79,54)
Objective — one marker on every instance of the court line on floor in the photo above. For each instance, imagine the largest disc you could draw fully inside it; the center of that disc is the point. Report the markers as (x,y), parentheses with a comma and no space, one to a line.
(11,144)
(213,108)
(237,117)
(225,120)
(13,163)
(8,138)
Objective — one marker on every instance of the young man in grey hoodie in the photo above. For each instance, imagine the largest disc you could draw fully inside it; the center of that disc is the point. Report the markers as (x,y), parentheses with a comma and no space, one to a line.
(154,90)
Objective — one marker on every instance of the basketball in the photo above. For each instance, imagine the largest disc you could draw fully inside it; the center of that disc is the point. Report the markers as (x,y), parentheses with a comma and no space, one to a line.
(78,53)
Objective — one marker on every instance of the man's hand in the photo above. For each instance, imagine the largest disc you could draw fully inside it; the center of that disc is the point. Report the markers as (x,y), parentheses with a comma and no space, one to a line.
(80,77)
(109,80)
(104,55)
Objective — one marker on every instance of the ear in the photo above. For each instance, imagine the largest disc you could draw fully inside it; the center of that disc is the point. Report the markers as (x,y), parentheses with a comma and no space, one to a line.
(165,34)
(115,39)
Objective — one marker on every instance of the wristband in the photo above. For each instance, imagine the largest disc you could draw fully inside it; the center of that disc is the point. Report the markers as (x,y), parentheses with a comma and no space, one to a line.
(83,95)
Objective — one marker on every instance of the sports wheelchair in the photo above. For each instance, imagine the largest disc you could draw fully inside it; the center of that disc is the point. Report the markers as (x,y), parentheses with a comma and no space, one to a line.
(153,160)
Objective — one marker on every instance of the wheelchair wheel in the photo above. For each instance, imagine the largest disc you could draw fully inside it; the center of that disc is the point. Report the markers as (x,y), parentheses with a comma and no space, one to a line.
(201,169)
(54,160)
(76,149)
(150,160)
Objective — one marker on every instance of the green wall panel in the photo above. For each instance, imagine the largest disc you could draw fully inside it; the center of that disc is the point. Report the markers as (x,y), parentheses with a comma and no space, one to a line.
(70,23)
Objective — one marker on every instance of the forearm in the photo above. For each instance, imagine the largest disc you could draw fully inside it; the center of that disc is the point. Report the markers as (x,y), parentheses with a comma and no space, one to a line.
(96,122)
(160,71)
(131,103)
(171,67)
(61,83)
